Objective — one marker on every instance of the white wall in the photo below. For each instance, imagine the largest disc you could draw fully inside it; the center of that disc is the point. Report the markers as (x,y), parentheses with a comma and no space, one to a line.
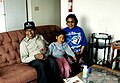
(95,15)
(48,12)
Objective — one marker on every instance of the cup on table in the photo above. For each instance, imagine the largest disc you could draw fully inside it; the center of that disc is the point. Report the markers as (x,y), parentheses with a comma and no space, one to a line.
(89,70)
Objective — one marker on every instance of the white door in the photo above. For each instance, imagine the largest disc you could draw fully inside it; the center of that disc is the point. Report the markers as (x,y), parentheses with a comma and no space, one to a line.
(2,17)
(15,14)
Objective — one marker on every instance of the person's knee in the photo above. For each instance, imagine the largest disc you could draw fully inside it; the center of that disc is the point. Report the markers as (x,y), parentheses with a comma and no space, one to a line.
(40,63)
(61,69)
(51,60)
(67,68)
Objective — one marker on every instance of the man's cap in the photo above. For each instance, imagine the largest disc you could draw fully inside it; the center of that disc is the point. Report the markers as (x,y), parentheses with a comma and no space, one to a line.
(29,25)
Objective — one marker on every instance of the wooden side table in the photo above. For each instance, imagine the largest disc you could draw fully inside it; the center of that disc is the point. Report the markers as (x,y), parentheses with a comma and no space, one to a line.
(114,46)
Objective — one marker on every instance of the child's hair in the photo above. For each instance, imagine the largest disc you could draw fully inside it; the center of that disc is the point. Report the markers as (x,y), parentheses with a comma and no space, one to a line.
(74,17)
(60,32)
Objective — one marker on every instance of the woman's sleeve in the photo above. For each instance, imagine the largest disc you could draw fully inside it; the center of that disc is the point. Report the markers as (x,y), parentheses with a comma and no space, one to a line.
(84,40)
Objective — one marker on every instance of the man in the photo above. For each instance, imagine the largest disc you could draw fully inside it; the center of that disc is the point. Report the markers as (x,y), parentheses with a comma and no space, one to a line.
(33,51)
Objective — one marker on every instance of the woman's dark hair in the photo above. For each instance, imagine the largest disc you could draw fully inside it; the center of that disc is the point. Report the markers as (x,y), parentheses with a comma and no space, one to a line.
(74,17)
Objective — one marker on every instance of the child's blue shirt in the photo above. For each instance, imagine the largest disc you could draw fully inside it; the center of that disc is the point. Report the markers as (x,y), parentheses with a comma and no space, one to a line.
(58,50)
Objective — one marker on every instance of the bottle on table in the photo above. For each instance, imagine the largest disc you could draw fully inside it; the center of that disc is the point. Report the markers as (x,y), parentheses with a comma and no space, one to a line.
(85,71)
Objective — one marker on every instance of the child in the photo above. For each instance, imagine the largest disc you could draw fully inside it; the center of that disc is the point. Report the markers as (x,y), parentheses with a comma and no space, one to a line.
(58,49)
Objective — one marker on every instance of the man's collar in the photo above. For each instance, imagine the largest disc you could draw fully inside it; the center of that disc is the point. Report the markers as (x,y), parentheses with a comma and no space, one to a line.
(27,39)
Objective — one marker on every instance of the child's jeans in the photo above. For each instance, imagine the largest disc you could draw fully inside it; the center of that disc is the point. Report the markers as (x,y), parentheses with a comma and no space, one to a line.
(63,67)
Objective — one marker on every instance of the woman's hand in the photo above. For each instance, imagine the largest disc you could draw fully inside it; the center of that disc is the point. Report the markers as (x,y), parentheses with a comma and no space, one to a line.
(81,50)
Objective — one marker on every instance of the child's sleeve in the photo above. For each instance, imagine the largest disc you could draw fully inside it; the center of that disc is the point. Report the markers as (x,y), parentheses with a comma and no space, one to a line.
(50,47)
(68,50)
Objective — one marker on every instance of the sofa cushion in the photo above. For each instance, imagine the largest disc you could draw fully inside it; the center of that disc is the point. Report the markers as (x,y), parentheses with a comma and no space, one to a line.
(9,47)
(48,32)
(17,73)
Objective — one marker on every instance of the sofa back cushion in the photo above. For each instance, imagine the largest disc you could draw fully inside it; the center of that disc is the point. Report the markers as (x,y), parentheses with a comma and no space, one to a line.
(10,41)
(48,32)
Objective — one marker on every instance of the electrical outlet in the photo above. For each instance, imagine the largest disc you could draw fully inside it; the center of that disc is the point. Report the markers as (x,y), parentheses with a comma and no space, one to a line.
(36,8)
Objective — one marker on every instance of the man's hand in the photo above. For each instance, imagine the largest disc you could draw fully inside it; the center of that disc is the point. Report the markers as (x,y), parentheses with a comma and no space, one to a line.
(39,56)
(43,50)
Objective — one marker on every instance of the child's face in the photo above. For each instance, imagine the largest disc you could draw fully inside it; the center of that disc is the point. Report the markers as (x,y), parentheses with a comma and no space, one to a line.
(60,38)
(70,23)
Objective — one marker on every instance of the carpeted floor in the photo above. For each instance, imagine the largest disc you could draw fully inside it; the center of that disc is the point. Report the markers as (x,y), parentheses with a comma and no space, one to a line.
(99,75)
